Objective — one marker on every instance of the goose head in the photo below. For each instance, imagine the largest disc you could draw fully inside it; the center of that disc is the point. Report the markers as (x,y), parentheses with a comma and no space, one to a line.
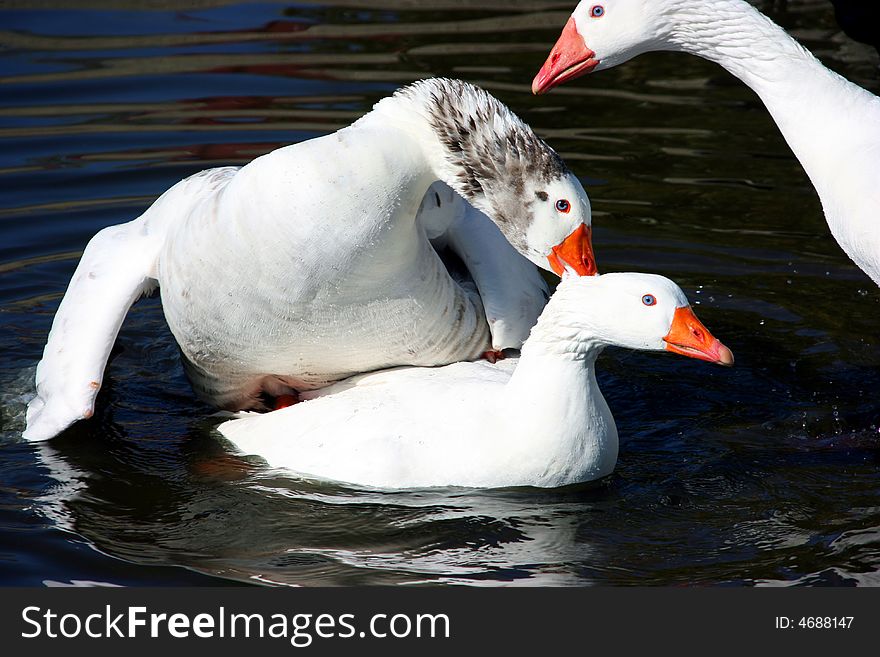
(601,34)
(537,203)
(637,311)
(497,163)
(553,225)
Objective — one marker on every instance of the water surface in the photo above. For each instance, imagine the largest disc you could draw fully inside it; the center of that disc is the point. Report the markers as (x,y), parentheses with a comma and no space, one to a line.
(767,473)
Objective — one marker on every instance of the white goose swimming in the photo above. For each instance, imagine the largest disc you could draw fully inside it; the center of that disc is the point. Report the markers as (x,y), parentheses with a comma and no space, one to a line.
(832,125)
(314,262)
(539,420)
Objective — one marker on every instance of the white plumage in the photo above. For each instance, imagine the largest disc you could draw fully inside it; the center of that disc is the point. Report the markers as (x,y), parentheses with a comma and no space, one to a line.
(831,124)
(315,262)
(539,420)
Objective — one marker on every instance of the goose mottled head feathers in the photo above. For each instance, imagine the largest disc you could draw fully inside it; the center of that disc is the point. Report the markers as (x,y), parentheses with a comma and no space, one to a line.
(483,139)
(490,157)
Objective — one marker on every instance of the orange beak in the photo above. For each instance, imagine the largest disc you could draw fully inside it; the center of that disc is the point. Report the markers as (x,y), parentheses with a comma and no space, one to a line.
(576,252)
(688,336)
(570,58)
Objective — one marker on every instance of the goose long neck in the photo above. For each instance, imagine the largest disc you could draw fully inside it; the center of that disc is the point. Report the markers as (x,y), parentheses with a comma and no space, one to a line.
(805,99)
(737,36)
(560,353)
(555,411)
(474,144)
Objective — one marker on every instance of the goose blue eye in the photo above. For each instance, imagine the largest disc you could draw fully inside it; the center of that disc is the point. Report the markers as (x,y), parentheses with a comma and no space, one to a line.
(563,206)
(597,11)
(649,300)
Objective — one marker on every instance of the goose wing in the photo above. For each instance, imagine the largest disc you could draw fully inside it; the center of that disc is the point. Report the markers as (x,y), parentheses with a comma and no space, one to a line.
(115,270)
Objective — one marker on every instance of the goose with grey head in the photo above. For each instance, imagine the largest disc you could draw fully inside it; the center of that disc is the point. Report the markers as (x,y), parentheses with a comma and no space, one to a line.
(320,260)
(831,124)
(537,420)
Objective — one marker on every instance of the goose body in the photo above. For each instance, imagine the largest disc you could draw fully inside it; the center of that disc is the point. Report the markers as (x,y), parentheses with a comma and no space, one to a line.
(831,124)
(538,420)
(320,260)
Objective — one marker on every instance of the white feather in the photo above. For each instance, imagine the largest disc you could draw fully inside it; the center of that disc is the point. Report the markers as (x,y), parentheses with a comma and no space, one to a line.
(831,124)
(308,265)
(539,420)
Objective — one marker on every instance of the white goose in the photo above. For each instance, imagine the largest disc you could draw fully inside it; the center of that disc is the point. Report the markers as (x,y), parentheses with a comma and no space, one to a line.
(832,125)
(539,420)
(310,264)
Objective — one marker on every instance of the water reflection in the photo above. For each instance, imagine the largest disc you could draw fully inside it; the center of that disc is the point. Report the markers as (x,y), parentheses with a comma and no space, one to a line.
(296,532)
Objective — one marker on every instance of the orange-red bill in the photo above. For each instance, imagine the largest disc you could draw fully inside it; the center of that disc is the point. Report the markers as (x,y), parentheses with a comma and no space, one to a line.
(688,336)
(575,252)
(569,58)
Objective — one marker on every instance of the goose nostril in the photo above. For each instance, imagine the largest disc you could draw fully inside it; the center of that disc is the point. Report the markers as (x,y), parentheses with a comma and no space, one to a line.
(587,266)
(697,333)
(555,58)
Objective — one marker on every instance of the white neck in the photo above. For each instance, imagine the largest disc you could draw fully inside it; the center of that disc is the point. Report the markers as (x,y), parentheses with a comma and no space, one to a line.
(474,144)
(557,414)
(735,35)
(808,102)
(831,124)
(410,116)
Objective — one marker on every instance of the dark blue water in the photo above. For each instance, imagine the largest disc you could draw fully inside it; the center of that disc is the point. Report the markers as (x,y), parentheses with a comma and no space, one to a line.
(768,473)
